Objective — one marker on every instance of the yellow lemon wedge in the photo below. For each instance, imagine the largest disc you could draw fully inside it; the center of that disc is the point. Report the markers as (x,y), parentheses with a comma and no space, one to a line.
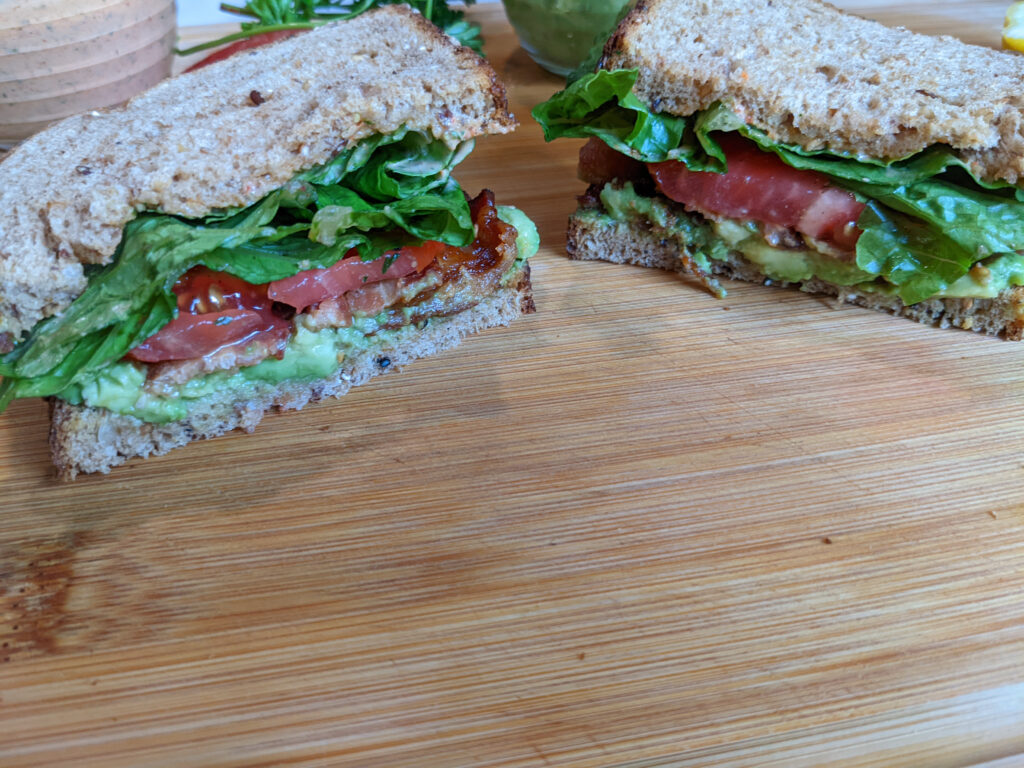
(1013,27)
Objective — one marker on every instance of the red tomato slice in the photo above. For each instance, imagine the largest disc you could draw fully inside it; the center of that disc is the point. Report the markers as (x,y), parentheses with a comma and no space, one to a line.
(215,310)
(256,41)
(202,290)
(759,186)
(189,336)
(314,285)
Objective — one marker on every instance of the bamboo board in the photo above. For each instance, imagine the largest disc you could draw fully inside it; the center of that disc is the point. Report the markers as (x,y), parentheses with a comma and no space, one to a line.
(642,527)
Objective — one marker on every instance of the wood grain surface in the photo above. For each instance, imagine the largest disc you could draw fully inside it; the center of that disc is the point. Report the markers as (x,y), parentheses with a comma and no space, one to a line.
(643,527)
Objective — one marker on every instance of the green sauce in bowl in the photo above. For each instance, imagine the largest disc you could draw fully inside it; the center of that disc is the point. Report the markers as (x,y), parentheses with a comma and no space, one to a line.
(559,34)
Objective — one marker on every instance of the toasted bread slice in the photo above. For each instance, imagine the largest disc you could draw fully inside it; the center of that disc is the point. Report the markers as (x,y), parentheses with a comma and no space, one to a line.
(811,75)
(593,237)
(224,136)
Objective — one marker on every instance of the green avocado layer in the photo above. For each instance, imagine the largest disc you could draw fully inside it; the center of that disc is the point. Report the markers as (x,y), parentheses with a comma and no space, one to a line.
(310,355)
(712,241)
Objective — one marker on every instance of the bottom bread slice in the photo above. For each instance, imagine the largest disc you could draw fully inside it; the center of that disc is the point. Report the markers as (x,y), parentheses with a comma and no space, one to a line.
(84,439)
(594,237)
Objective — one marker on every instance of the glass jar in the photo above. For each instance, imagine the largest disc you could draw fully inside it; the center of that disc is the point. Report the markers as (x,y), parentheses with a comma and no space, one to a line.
(559,34)
(61,57)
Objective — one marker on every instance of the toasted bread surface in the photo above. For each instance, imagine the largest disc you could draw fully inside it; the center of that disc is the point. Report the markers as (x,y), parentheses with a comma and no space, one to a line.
(812,75)
(596,238)
(225,136)
(84,439)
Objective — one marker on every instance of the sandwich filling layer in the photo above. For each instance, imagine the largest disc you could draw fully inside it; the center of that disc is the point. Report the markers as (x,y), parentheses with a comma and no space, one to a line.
(782,258)
(377,239)
(917,227)
(325,334)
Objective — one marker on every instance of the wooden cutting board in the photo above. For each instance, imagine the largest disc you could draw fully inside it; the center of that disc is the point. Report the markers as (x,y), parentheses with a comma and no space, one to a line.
(643,527)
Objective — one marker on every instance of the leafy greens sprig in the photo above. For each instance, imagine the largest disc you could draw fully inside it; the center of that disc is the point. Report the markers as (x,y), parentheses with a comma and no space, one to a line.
(277,15)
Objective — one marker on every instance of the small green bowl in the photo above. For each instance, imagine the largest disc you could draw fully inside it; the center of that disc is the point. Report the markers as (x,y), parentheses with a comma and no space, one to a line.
(560,34)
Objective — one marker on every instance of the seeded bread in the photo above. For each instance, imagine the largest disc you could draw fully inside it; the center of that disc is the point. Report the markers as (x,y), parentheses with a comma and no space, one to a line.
(86,439)
(224,136)
(811,75)
(597,238)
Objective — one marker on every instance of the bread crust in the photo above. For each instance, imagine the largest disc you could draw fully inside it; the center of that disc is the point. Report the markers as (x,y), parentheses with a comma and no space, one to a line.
(597,238)
(202,141)
(84,439)
(812,75)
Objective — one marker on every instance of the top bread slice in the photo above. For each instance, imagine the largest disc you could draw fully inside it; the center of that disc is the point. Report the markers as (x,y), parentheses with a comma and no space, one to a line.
(225,136)
(809,74)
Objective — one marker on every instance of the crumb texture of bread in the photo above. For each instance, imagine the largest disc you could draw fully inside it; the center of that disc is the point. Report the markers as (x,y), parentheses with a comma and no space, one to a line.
(225,136)
(596,238)
(84,439)
(812,75)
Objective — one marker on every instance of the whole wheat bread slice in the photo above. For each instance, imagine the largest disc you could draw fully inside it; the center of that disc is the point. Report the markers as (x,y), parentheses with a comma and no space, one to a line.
(809,74)
(84,439)
(225,136)
(593,237)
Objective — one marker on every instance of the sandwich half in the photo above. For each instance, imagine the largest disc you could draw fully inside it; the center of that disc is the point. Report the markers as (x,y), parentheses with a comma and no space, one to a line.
(787,143)
(270,230)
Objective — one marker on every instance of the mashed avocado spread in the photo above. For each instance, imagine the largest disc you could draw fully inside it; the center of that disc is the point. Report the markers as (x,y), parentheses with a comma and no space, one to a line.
(309,355)
(712,241)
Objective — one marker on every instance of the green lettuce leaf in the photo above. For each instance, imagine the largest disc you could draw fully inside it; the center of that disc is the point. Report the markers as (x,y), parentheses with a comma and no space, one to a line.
(603,105)
(929,218)
(917,258)
(386,192)
(440,215)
